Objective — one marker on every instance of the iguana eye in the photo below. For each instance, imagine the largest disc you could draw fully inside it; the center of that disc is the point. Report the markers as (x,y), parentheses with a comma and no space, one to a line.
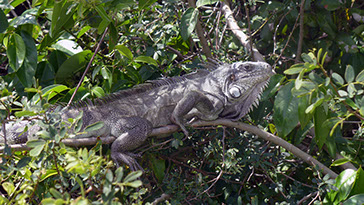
(247,67)
(235,92)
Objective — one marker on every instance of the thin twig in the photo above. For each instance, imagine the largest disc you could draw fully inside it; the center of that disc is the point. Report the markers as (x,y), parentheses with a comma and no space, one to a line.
(307,197)
(89,65)
(276,30)
(300,37)
(289,38)
(249,30)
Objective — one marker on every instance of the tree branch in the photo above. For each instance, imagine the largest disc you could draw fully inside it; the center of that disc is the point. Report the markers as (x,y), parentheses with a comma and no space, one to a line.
(272,138)
(200,33)
(89,65)
(300,37)
(244,39)
(173,128)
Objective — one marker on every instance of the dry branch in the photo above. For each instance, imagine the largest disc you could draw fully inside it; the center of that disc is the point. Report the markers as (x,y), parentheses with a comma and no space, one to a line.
(244,39)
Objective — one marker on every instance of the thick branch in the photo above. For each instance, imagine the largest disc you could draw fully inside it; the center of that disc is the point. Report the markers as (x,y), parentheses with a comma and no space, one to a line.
(244,39)
(173,128)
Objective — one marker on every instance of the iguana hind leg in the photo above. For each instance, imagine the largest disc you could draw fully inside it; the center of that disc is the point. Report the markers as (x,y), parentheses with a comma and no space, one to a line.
(131,132)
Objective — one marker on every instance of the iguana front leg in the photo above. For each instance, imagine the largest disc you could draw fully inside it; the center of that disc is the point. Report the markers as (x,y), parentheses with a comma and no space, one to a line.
(194,104)
(131,132)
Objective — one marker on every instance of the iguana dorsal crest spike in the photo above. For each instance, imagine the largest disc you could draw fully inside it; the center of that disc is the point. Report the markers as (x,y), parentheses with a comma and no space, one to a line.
(211,64)
(140,88)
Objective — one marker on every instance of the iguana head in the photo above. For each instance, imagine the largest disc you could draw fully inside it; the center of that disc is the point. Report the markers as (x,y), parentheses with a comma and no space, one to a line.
(243,84)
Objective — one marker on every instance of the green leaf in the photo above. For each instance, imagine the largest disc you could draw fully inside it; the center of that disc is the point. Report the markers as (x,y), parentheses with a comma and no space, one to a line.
(23,162)
(48,201)
(98,91)
(309,58)
(338,79)
(331,143)
(101,11)
(16,51)
(78,126)
(200,3)
(120,5)
(3,22)
(49,173)
(344,183)
(38,146)
(105,72)
(159,167)
(313,106)
(133,176)
(360,77)
(351,90)
(27,17)
(134,184)
(326,24)
(26,72)
(306,88)
(349,74)
(339,162)
(109,176)
(79,181)
(102,26)
(34,143)
(321,131)
(83,31)
(114,36)
(146,59)
(94,126)
(356,199)
(299,80)
(72,65)
(53,90)
(56,194)
(8,187)
(188,22)
(123,50)
(331,5)
(25,113)
(119,173)
(351,103)
(61,17)
(295,69)
(358,187)
(145,3)
(285,110)
(303,117)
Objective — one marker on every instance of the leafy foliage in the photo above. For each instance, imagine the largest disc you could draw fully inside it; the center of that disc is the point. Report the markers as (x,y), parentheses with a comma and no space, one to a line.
(315,101)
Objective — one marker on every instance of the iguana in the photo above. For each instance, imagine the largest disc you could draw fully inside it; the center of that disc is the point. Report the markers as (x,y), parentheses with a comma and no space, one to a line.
(227,91)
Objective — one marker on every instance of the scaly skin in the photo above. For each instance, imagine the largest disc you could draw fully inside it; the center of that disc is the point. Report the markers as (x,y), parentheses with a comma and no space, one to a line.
(227,92)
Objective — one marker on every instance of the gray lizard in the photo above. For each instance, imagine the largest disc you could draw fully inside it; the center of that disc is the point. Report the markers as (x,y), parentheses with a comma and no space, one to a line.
(228,91)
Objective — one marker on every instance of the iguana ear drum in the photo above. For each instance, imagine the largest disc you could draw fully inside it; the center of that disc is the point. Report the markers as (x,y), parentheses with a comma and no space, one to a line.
(235,92)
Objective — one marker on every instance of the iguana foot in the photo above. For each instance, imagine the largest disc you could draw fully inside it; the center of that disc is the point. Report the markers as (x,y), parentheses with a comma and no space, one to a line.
(126,158)
(180,124)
